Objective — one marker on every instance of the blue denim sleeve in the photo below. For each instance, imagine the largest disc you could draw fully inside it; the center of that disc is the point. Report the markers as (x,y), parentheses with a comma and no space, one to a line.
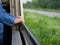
(5,17)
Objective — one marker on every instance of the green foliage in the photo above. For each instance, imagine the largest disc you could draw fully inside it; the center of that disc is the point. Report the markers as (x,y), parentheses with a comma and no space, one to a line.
(27,5)
(51,4)
(44,28)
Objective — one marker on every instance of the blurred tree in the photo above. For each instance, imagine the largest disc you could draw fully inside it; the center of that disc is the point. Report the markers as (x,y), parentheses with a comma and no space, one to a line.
(53,4)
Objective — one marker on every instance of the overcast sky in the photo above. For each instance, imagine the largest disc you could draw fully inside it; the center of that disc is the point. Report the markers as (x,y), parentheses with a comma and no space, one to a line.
(24,1)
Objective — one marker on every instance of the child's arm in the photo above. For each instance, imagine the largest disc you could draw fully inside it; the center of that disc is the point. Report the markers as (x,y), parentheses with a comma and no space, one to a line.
(5,17)
(9,19)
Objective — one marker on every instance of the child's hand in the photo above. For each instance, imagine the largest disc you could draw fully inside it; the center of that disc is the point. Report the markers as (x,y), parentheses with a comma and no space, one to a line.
(18,20)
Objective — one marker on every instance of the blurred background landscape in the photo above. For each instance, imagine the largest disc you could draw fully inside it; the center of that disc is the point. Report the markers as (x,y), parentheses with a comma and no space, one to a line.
(43,19)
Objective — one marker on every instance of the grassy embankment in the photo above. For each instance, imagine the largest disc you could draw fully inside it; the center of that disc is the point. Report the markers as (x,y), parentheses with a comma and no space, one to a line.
(45,29)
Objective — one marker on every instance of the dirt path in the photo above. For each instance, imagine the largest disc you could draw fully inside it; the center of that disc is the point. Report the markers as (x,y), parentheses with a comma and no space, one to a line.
(50,14)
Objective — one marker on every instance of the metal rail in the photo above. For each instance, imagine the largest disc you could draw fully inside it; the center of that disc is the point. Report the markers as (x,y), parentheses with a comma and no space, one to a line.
(23,36)
(27,35)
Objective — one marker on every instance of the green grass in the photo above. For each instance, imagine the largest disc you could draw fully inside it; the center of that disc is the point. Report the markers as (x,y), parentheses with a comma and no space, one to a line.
(45,29)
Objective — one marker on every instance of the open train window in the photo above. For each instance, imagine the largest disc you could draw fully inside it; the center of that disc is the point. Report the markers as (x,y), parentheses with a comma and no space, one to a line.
(43,19)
